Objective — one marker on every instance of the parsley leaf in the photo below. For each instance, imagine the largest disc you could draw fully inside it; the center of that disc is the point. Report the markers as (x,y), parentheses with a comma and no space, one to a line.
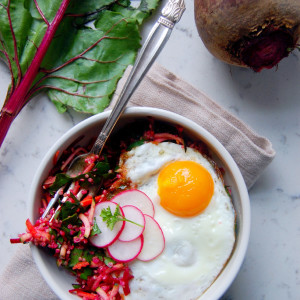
(112,219)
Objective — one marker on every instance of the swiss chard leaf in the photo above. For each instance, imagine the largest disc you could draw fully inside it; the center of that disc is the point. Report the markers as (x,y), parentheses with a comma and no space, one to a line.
(74,257)
(68,209)
(86,272)
(88,82)
(73,219)
(135,144)
(100,171)
(75,50)
(87,254)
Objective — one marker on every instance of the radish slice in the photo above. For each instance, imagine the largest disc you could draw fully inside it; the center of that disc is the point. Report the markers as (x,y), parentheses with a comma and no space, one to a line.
(132,231)
(137,199)
(154,240)
(107,236)
(126,251)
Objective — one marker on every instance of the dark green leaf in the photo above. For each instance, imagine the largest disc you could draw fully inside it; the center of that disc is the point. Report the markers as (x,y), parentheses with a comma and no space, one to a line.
(135,144)
(68,209)
(108,261)
(92,47)
(88,82)
(95,229)
(88,7)
(59,241)
(74,257)
(22,23)
(61,179)
(73,219)
(76,286)
(86,272)
(74,198)
(52,232)
(87,255)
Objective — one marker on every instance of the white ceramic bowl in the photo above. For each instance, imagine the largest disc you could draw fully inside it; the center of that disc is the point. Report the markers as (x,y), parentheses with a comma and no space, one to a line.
(61,282)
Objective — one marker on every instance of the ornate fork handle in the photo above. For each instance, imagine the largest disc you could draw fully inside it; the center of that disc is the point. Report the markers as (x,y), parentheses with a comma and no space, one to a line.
(172,13)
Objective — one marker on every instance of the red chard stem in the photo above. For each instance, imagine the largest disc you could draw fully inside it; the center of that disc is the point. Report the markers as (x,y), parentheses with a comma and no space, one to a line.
(19,96)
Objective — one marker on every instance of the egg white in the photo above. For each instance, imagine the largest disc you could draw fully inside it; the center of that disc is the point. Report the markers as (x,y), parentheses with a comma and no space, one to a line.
(197,247)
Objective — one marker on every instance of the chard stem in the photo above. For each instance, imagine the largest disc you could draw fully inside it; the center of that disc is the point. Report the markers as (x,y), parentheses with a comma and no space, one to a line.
(5,122)
(19,96)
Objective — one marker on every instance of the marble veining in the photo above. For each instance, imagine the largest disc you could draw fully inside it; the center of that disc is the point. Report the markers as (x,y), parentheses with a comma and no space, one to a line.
(268,101)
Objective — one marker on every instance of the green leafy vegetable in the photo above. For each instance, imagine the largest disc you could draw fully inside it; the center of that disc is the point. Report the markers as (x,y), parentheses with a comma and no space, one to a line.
(100,171)
(76,286)
(95,229)
(59,242)
(68,209)
(74,50)
(112,219)
(73,219)
(74,257)
(87,254)
(135,144)
(108,261)
(86,272)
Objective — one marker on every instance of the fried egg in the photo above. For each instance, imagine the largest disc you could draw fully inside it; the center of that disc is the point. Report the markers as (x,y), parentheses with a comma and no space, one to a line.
(195,213)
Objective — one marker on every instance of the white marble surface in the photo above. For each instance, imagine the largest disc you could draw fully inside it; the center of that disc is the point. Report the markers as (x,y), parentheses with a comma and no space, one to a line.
(269,102)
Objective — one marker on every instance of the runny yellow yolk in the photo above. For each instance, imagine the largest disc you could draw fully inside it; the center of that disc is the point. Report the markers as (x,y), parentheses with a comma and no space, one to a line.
(185,188)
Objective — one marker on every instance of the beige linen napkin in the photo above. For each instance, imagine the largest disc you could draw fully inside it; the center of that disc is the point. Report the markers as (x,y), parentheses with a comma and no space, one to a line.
(160,88)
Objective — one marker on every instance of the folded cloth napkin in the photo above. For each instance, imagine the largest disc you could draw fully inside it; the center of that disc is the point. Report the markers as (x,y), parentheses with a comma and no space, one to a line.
(160,88)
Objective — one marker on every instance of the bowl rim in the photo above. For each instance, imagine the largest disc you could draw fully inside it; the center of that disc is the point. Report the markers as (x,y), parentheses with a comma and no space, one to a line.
(185,122)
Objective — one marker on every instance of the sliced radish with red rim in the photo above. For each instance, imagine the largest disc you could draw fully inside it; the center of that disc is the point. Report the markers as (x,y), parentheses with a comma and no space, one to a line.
(137,199)
(131,230)
(154,240)
(107,236)
(125,251)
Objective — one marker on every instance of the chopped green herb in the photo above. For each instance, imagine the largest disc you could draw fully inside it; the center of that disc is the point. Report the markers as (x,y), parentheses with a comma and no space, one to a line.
(59,242)
(76,286)
(112,219)
(108,261)
(86,272)
(95,229)
(52,232)
(74,257)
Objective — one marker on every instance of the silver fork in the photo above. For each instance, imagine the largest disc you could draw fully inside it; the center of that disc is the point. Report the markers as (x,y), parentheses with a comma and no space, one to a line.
(158,36)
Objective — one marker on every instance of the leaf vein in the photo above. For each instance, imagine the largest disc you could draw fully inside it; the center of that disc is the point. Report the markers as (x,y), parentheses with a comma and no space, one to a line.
(41,13)
(14,42)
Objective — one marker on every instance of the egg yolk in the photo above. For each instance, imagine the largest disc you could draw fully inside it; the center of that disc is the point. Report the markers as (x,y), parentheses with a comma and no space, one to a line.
(185,188)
